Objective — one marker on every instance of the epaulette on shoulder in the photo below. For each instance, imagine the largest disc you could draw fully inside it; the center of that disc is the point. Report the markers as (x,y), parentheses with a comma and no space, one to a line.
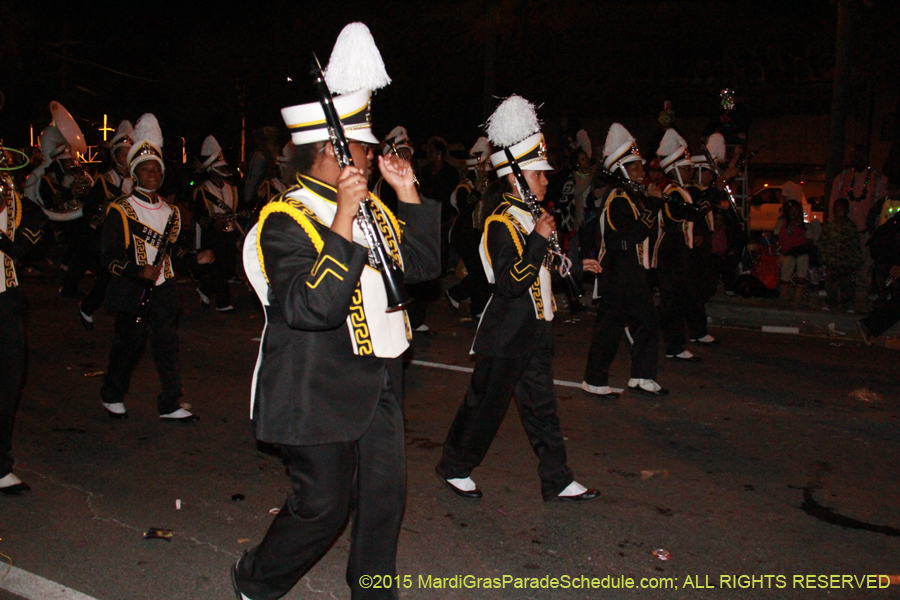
(283,196)
(298,211)
(120,205)
(465,184)
(501,208)
(685,195)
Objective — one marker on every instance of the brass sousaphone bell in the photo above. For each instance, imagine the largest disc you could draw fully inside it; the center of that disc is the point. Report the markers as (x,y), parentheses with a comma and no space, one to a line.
(72,136)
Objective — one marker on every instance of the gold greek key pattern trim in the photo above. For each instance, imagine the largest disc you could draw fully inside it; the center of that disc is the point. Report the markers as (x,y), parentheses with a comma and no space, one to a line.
(390,215)
(140,250)
(13,218)
(18,208)
(387,232)
(358,322)
(538,299)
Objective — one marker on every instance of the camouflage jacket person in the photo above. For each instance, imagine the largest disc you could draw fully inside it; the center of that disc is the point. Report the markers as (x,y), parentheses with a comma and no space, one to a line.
(839,246)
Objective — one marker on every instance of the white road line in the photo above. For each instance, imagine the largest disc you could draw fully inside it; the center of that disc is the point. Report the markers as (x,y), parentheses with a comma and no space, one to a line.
(422,363)
(34,587)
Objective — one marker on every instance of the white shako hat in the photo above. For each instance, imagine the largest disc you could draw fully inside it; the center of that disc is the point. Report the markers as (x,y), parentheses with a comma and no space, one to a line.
(148,142)
(514,125)
(124,136)
(399,138)
(213,159)
(673,151)
(620,148)
(354,70)
(478,152)
(716,146)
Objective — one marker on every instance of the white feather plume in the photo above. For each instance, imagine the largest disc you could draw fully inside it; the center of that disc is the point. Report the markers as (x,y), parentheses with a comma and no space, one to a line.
(147,130)
(397,134)
(482,146)
(124,128)
(670,143)
(716,146)
(210,146)
(513,121)
(617,137)
(355,62)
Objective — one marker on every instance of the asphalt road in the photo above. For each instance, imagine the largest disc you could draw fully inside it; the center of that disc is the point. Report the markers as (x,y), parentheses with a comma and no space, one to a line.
(760,463)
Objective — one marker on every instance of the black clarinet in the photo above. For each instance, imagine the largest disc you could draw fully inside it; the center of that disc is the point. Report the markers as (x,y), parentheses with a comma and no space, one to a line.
(530,199)
(620,181)
(161,252)
(379,258)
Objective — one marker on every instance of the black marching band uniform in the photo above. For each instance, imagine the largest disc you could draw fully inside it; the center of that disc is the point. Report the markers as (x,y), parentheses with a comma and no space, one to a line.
(59,185)
(133,233)
(514,341)
(679,302)
(466,231)
(328,383)
(703,271)
(21,227)
(626,220)
(111,185)
(215,207)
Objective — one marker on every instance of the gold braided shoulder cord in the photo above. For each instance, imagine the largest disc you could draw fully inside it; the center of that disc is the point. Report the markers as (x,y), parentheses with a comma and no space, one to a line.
(512,232)
(292,210)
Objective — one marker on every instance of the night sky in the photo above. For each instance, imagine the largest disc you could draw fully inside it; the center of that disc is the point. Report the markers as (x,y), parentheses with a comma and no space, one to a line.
(201,67)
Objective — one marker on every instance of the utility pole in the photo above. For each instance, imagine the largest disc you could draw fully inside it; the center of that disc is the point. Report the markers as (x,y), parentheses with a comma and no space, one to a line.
(847,16)
(64,48)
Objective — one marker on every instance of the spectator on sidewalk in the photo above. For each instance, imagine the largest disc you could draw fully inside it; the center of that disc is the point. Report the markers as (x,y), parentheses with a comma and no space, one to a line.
(839,251)
(796,246)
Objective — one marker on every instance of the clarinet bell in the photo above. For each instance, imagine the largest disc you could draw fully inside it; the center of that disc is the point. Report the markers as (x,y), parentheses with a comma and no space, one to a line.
(575,289)
(397,298)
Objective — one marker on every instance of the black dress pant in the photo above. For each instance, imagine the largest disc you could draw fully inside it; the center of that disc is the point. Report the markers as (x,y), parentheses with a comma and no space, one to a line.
(680,310)
(160,323)
(530,379)
(12,359)
(627,300)
(95,297)
(215,277)
(367,478)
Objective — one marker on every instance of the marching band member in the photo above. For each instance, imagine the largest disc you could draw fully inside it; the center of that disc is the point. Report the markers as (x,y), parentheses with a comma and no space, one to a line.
(397,139)
(281,181)
(678,302)
(626,220)
(465,234)
(60,184)
(21,226)
(514,341)
(215,205)
(328,383)
(709,193)
(115,183)
(137,227)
